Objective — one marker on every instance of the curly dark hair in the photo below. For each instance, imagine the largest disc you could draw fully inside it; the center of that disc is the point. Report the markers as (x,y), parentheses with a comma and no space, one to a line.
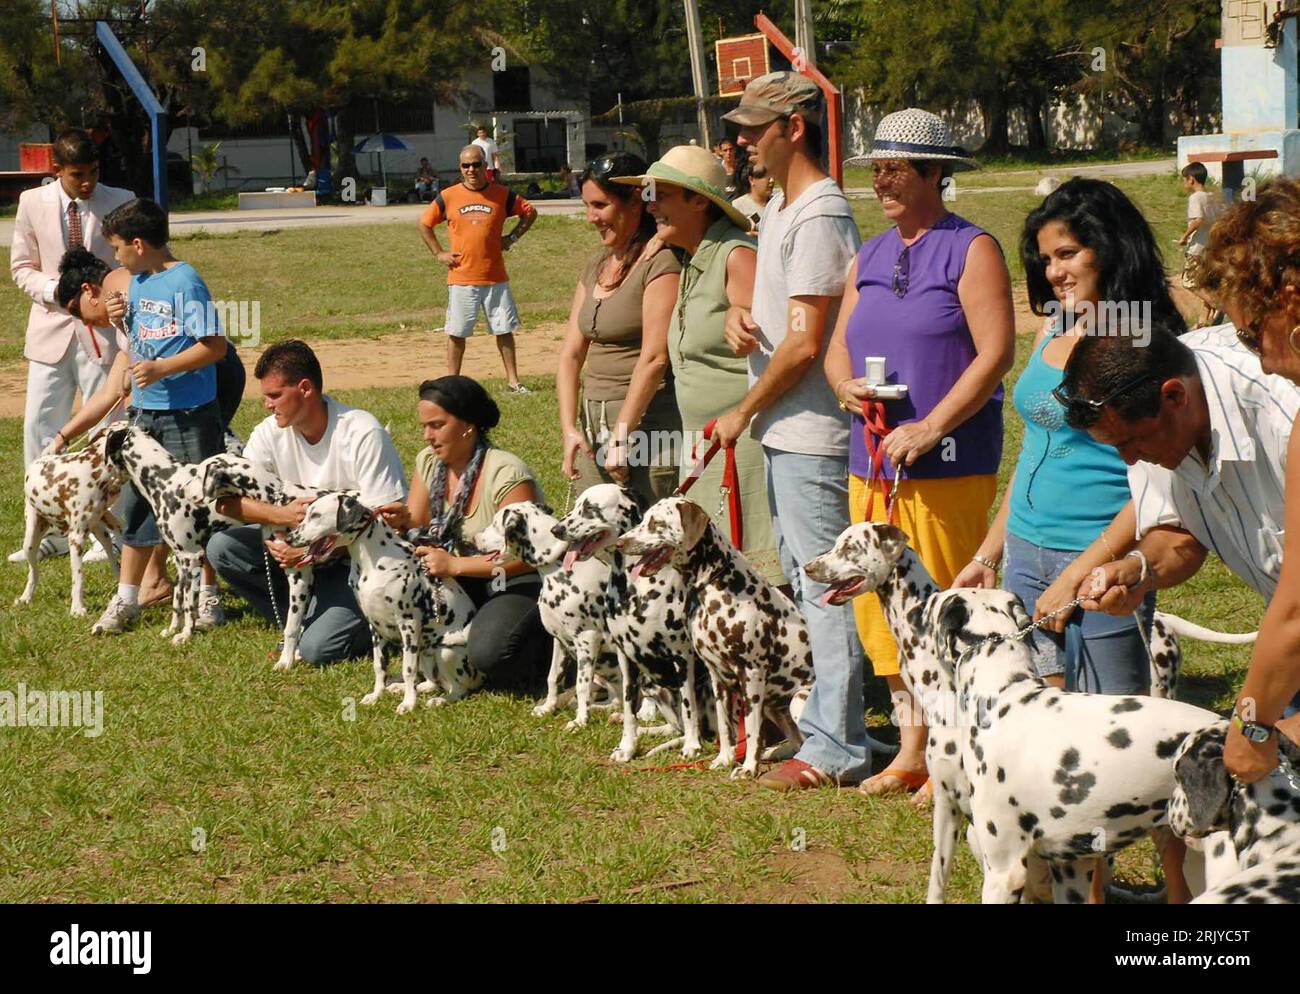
(1103,219)
(77,267)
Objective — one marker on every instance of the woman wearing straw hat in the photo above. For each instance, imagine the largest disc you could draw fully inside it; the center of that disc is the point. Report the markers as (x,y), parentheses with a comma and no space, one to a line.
(932,295)
(687,196)
(617,341)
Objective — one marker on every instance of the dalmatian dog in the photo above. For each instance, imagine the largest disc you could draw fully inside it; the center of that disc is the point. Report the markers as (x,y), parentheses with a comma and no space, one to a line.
(178,494)
(1243,826)
(1167,655)
(234,476)
(645,616)
(572,609)
(71,493)
(750,635)
(1099,775)
(428,618)
(1276,881)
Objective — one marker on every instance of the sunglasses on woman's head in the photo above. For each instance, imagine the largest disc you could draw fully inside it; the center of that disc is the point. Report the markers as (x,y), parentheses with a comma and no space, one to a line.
(1084,413)
(615,164)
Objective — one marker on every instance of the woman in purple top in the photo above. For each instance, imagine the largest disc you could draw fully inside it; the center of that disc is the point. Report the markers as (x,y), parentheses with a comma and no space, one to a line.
(932,296)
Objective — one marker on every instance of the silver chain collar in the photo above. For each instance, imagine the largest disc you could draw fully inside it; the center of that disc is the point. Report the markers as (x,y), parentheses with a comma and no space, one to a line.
(1022,634)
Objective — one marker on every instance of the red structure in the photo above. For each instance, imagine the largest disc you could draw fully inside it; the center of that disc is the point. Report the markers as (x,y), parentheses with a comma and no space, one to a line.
(831,93)
(740,60)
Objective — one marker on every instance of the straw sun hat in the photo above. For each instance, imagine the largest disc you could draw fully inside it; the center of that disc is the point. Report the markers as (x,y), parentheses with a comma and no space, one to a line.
(915,134)
(692,168)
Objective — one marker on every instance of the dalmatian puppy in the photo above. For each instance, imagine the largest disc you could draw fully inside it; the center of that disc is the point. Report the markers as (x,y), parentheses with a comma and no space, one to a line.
(1243,825)
(428,618)
(1275,881)
(572,609)
(750,635)
(71,493)
(178,494)
(1062,776)
(645,615)
(234,476)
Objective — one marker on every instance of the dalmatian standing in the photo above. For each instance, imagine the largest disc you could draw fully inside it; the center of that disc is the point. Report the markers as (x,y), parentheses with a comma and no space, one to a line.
(403,604)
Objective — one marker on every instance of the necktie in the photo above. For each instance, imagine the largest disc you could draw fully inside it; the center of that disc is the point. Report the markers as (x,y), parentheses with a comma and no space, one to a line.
(74,226)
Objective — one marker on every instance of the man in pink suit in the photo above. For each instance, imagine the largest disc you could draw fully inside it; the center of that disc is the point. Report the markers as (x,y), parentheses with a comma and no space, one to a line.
(63,354)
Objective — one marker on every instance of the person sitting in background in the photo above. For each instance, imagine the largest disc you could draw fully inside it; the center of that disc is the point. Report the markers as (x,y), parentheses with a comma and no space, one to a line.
(460,482)
(758,186)
(570,187)
(426,183)
(617,339)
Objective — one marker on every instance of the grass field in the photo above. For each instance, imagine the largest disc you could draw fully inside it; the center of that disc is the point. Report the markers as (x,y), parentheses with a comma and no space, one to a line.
(216,779)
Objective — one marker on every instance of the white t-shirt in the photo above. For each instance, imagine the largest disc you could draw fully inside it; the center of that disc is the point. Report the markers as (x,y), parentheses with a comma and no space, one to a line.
(1233,503)
(355,453)
(489,148)
(1205,206)
(803,251)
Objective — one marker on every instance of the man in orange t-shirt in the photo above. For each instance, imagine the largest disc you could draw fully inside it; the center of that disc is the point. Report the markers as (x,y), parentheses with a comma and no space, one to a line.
(475,211)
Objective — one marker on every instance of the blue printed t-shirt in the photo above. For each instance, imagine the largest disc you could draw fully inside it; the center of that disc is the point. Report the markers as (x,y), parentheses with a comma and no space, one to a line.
(1068,487)
(169,311)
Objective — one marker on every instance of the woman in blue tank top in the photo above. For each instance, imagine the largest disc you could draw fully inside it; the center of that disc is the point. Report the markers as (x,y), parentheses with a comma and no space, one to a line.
(1086,248)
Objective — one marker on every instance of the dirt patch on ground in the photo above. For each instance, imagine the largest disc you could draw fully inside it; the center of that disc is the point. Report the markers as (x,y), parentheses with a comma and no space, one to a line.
(406,357)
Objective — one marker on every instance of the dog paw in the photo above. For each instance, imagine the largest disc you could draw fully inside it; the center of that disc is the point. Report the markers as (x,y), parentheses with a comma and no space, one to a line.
(743,773)
(180,638)
(575,724)
(407,705)
(623,754)
(395,687)
(436,702)
(426,687)
(690,752)
(370,698)
(20,599)
(543,709)
(723,761)
(283,665)
(77,610)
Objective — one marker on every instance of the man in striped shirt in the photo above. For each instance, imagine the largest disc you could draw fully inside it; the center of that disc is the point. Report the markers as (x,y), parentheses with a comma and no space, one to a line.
(1204,432)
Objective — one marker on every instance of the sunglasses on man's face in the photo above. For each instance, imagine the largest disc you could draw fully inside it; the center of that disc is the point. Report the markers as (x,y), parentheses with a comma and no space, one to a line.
(473,165)
(1082,412)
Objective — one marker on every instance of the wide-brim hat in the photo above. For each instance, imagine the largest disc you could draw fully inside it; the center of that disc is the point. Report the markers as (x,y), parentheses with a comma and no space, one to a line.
(915,134)
(692,168)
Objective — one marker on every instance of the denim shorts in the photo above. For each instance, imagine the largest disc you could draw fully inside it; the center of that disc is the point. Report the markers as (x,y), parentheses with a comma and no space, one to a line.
(191,436)
(495,301)
(1098,653)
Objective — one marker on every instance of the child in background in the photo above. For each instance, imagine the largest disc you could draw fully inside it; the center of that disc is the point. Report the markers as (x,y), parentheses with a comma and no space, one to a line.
(175,341)
(1202,208)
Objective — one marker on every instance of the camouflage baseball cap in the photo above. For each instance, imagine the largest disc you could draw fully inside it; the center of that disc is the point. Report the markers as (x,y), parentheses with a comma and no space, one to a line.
(777,94)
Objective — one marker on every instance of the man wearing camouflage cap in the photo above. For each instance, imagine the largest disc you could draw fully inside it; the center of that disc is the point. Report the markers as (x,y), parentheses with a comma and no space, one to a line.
(806,240)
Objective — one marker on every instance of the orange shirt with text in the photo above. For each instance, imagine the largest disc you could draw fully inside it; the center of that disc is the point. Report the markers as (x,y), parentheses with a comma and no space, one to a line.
(476,219)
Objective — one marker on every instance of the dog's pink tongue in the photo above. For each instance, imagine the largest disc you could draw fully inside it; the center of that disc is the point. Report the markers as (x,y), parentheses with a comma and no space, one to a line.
(636,569)
(570,558)
(828,596)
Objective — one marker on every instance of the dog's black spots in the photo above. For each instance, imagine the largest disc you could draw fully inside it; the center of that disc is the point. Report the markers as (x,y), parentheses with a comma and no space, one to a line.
(992,829)
(1125,809)
(1120,738)
(1056,812)
(1166,748)
(1028,821)
(1002,711)
(1126,705)
(1219,848)
(1013,802)
(1070,759)
(950,748)
(1277,810)
(1002,775)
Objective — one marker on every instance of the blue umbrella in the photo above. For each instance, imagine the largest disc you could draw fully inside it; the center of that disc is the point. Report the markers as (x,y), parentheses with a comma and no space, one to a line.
(378,144)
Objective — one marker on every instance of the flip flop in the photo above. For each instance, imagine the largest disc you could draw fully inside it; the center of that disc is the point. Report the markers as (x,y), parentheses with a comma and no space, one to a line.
(924,796)
(907,780)
(157,598)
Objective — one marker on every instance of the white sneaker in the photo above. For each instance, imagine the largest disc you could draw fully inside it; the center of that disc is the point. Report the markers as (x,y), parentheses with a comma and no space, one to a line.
(211,613)
(51,545)
(95,554)
(117,618)
(519,388)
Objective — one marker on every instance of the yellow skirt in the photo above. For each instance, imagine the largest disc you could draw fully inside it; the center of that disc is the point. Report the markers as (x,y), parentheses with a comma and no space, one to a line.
(945,522)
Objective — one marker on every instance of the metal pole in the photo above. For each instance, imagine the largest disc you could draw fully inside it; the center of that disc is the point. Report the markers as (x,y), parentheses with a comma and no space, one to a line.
(695,38)
(803,31)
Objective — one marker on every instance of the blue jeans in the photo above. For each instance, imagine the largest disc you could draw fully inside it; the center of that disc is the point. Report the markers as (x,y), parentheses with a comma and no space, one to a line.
(809,500)
(1098,653)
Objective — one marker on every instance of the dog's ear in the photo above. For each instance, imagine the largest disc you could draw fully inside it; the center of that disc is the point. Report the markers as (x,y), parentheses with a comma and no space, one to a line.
(893,542)
(116,439)
(545,509)
(1289,749)
(695,522)
(352,514)
(950,616)
(216,478)
(1018,613)
(635,500)
(1204,779)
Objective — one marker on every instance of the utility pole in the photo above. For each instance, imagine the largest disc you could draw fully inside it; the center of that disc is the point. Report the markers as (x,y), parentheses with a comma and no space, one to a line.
(803,31)
(695,38)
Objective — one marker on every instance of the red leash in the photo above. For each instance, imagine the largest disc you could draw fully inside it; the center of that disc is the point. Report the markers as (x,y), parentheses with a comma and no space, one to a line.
(876,429)
(731,488)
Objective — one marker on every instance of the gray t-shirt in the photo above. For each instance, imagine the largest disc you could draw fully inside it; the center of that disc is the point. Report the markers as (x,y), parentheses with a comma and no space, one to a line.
(803,250)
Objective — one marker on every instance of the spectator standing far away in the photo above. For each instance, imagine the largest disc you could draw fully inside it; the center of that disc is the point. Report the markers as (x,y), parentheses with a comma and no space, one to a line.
(491,154)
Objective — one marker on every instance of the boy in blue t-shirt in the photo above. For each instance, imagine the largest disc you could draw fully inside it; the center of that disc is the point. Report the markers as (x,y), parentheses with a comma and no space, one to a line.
(175,339)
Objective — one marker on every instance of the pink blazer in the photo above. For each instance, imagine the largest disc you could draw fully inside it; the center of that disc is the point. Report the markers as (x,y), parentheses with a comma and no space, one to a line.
(34,256)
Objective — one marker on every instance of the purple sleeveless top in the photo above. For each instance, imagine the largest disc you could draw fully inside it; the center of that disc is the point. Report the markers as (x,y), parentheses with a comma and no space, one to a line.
(926,344)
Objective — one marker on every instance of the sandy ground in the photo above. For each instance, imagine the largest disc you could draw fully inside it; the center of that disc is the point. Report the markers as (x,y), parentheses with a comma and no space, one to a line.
(405,358)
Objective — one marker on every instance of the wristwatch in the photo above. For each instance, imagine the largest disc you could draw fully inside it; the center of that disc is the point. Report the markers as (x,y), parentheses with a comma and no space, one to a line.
(1253,730)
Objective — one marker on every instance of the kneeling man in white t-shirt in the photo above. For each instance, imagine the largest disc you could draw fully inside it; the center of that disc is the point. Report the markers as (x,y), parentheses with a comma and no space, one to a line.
(314,441)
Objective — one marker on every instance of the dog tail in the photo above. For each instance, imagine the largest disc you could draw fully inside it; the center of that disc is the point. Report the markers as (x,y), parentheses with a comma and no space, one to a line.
(1186,629)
